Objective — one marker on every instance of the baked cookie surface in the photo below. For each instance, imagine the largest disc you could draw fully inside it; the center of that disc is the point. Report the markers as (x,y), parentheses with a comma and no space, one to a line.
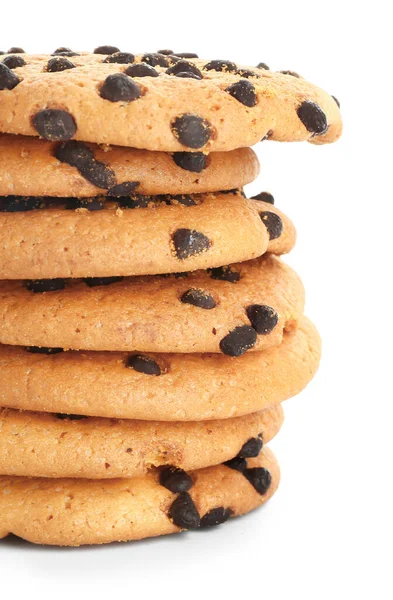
(242,307)
(135,235)
(73,512)
(44,445)
(33,167)
(165,387)
(165,104)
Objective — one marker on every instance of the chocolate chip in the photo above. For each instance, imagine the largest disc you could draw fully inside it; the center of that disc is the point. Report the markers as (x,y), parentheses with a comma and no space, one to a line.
(54,125)
(59,63)
(183,199)
(143,364)
(191,130)
(123,189)
(336,101)
(187,75)
(273,224)
(186,54)
(91,204)
(155,60)
(312,117)
(220,65)
(62,50)
(175,480)
(12,61)
(234,191)
(216,516)
(8,79)
(238,464)
(45,285)
(70,417)
(106,50)
(247,73)
(251,448)
(79,155)
(173,58)
(263,318)
(292,73)
(136,201)
(224,274)
(121,58)
(43,350)
(238,341)
(263,65)
(69,53)
(184,66)
(198,298)
(189,242)
(19,203)
(166,52)
(16,50)
(141,70)
(96,281)
(191,161)
(184,513)
(243,91)
(260,479)
(267,135)
(264,197)
(120,88)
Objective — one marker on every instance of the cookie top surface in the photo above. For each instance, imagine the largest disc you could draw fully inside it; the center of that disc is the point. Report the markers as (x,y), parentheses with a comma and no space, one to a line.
(35,444)
(246,306)
(165,387)
(164,104)
(33,167)
(46,238)
(73,512)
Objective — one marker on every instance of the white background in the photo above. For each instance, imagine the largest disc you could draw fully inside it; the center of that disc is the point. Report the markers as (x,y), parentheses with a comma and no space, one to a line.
(327,533)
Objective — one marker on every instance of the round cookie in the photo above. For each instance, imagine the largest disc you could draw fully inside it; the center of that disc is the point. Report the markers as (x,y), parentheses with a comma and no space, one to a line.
(136,235)
(175,106)
(44,445)
(74,512)
(33,167)
(242,307)
(191,387)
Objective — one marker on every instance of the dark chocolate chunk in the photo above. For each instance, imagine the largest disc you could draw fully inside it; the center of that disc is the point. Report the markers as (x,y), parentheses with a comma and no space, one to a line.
(186,54)
(198,298)
(141,70)
(120,88)
(136,201)
(156,60)
(184,513)
(191,161)
(336,101)
(175,480)
(62,50)
(97,281)
(16,50)
(184,66)
(69,53)
(70,417)
(19,203)
(238,341)
(91,204)
(189,242)
(43,350)
(143,364)
(243,91)
(79,155)
(260,479)
(59,63)
(238,464)
(247,73)
(183,199)
(263,65)
(8,79)
(263,318)
(292,73)
(187,75)
(273,223)
(166,52)
(312,117)
(191,131)
(123,189)
(45,285)
(216,516)
(221,65)
(121,58)
(251,448)
(14,61)
(106,50)
(224,274)
(54,125)
(264,197)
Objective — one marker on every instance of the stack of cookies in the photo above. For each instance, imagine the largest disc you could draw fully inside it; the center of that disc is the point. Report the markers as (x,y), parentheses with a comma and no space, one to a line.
(149,329)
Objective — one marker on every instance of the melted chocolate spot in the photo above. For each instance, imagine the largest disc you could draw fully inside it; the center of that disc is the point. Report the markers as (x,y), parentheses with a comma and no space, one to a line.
(39,286)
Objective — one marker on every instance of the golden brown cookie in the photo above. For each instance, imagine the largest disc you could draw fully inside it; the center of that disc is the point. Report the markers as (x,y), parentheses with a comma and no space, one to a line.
(33,167)
(164,104)
(36,444)
(73,512)
(231,310)
(135,235)
(164,387)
